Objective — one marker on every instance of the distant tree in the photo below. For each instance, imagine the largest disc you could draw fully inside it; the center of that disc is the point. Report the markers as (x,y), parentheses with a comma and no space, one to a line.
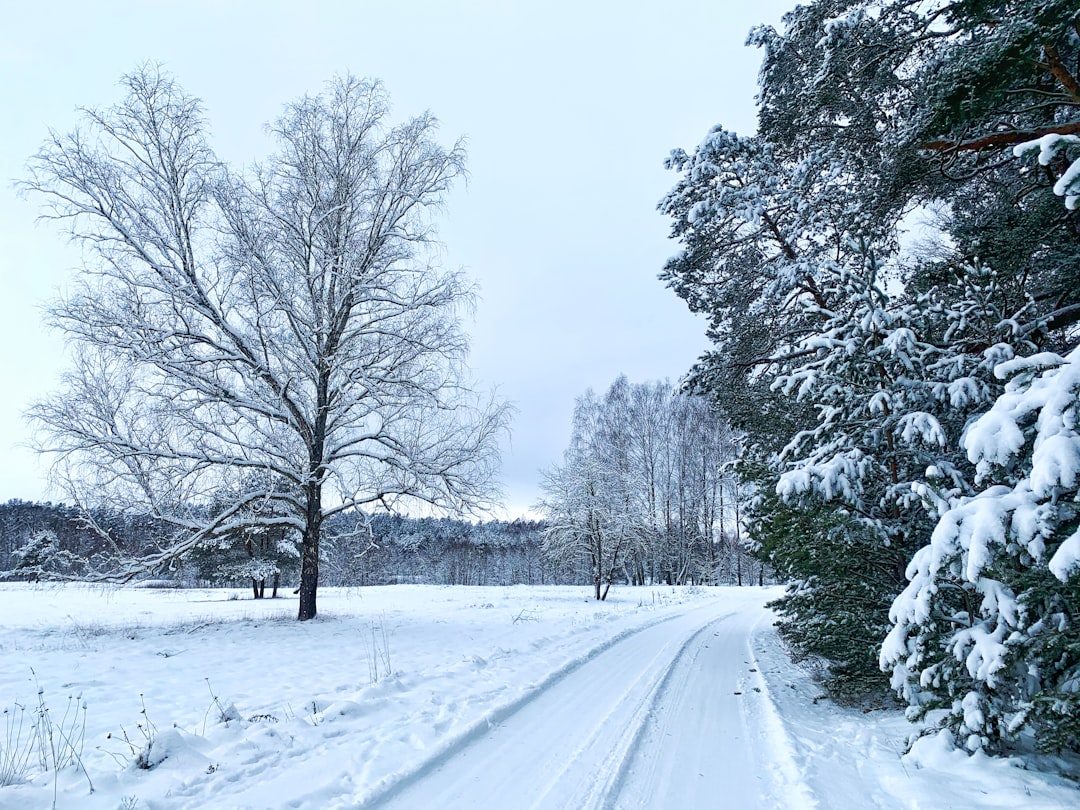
(287,320)
(640,492)
(258,549)
(586,501)
(44,540)
(384,549)
(20,521)
(42,555)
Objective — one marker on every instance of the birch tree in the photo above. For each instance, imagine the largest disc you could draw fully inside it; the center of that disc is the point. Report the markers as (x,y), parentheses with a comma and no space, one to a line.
(586,497)
(638,493)
(288,320)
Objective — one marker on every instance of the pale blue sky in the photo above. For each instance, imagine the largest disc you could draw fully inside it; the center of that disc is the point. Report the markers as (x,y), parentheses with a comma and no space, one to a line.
(569,109)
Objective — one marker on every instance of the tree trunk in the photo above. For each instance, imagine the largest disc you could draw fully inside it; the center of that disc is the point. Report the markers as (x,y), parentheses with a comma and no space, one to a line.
(309,575)
(738,536)
(255,587)
(309,564)
(598,562)
(313,517)
(277,582)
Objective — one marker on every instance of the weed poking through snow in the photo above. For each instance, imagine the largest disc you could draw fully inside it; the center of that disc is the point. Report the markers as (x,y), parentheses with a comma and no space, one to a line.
(378,658)
(141,752)
(36,737)
(226,713)
(17,747)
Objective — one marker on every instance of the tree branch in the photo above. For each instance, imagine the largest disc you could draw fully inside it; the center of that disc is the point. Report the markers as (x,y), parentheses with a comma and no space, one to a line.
(1000,139)
(1061,73)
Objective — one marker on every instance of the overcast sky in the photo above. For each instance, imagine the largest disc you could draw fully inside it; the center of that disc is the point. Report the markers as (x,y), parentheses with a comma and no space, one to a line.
(568,109)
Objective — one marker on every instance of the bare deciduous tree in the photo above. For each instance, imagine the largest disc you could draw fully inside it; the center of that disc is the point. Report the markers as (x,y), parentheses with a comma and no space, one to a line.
(585,498)
(287,320)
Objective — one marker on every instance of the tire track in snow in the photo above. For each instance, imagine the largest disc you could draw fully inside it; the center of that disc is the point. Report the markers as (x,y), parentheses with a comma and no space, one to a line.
(638,752)
(388,793)
(712,737)
(584,737)
(788,776)
(831,770)
(277,773)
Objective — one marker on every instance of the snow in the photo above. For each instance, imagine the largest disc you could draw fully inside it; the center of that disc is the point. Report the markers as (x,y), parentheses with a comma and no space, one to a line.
(1067,558)
(1047,386)
(1049,146)
(424,696)
(851,758)
(994,440)
(922,427)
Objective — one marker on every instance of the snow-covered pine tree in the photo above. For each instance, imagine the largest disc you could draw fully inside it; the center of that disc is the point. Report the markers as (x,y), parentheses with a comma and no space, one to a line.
(867,111)
(893,386)
(988,627)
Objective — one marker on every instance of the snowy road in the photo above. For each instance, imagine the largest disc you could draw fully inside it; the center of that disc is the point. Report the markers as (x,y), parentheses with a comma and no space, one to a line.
(673,716)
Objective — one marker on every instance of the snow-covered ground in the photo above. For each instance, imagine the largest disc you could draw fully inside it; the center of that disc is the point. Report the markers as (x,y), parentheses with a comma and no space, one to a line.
(420,696)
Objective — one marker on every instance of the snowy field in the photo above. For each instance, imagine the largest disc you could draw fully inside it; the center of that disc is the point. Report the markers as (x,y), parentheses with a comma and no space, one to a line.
(421,696)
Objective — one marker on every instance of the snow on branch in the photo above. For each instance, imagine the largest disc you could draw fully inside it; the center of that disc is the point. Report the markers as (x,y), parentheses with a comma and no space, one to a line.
(1052,146)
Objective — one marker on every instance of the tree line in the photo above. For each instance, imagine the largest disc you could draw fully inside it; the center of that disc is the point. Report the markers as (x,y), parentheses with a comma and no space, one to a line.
(891,271)
(48,541)
(41,541)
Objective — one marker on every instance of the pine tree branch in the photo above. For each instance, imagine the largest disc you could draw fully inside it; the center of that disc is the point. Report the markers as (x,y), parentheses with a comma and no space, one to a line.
(785,246)
(1060,72)
(1061,318)
(1001,139)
